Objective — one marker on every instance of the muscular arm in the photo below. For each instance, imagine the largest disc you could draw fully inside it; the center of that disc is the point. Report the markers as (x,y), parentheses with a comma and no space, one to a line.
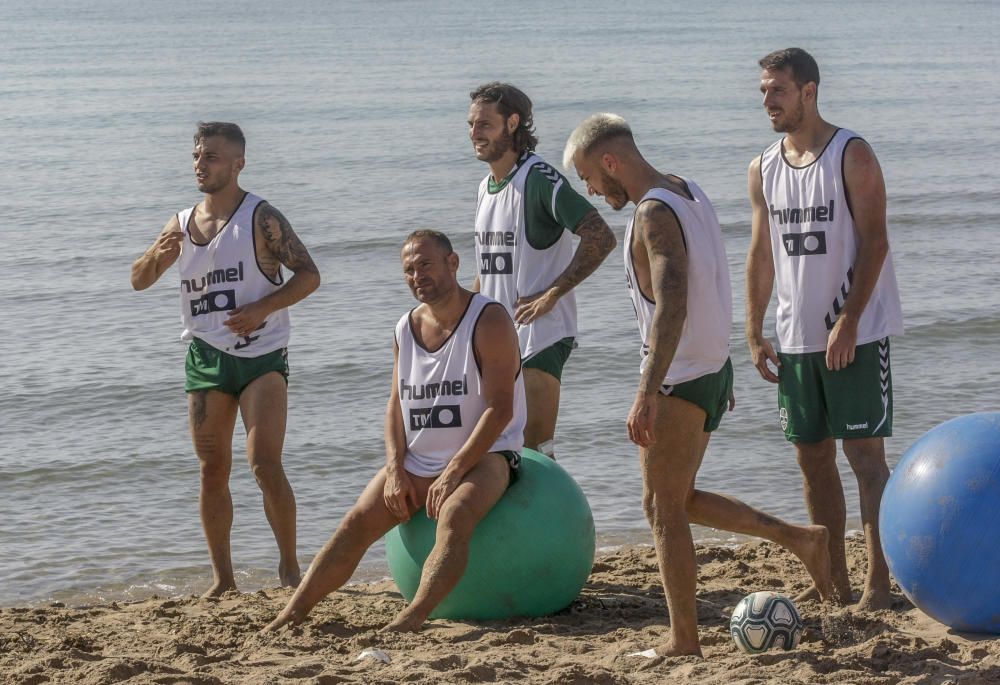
(596,243)
(866,197)
(285,248)
(495,343)
(760,277)
(661,243)
(395,432)
(147,269)
(661,239)
(399,494)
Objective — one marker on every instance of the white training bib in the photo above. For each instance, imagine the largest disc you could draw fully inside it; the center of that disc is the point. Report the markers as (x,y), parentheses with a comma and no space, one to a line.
(440,395)
(704,344)
(509,267)
(218,276)
(814,244)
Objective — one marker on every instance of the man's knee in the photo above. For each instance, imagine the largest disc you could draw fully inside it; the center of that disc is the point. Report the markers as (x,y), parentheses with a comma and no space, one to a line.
(267,472)
(867,459)
(457,521)
(215,473)
(816,457)
(664,509)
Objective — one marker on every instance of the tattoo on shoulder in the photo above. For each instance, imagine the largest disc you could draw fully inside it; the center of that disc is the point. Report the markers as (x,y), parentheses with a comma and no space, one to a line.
(282,240)
(659,228)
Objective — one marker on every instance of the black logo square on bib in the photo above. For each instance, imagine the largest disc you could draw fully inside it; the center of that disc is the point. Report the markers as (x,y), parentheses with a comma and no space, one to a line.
(496,263)
(440,416)
(804,244)
(217,301)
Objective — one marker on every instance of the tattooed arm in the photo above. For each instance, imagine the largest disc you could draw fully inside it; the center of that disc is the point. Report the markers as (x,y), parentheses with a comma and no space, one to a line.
(596,243)
(661,245)
(283,247)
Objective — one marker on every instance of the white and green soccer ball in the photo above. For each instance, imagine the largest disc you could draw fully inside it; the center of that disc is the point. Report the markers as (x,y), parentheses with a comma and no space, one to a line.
(764,621)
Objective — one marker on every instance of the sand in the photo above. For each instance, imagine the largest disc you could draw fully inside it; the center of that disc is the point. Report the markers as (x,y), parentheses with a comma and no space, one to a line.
(621,610)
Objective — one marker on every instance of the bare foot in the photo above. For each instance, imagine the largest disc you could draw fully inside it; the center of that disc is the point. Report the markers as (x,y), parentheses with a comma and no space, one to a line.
(810,594)
(403,624)
(289,574)
(814,552)
(874,600)
(219,588)
(669,648)
(285,618)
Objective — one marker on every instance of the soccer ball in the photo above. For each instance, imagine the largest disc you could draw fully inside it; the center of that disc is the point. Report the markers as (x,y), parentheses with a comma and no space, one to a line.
(764,620)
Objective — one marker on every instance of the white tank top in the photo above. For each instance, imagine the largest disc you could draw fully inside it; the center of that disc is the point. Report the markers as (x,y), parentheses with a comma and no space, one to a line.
(704,344)
(509,267)
(221,275)
(814,243)
(440,395)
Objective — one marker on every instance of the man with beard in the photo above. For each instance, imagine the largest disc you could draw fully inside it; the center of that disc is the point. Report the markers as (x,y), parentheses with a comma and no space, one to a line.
(678,280)
(819,231)
(234,305)
(526,216)
(453,433)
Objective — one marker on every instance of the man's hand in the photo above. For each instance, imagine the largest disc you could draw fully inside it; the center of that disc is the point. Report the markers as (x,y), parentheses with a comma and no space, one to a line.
(841,344)
(246,319)
(167,245)
(440,491)
(160,256)
(642,419)
(527,309)
(761,352)
(399,494)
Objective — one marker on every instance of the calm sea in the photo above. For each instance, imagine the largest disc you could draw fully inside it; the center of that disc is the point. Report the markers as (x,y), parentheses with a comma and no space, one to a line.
(355,115)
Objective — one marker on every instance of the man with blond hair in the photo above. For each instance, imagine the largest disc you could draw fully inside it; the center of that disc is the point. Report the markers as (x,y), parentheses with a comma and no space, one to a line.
(678,281)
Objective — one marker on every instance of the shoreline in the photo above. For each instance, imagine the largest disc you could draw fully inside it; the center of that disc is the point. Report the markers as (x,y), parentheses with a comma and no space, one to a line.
(181,582)
(621,610)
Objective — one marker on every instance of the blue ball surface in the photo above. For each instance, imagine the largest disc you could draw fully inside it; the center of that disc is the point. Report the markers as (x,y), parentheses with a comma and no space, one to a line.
(940,523)
(530,555)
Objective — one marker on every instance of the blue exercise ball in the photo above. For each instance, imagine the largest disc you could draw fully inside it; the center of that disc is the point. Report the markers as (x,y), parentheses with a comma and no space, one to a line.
(940,523)
(529,556)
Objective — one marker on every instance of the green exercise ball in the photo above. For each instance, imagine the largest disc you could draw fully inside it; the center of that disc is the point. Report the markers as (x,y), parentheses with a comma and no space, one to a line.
(529,556)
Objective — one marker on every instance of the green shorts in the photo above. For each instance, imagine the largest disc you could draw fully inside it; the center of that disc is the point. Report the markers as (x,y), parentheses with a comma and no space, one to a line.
(710,392)
(208,368)
(552,359)
(815,403)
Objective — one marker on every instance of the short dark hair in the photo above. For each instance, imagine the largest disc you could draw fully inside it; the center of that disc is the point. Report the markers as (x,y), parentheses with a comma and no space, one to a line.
(231,132)
(802,65)
(511,100)
(436,237)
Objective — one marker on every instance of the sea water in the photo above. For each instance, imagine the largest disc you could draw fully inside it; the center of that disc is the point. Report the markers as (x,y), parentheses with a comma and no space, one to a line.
(355,118)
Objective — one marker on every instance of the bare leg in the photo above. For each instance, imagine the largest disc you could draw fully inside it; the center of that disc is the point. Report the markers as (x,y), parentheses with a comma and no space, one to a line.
(367,521)
(867,459)
(264,406)
(669,466)
(481,488)
(212,415)
(824,496)
(808,543)
(542,392)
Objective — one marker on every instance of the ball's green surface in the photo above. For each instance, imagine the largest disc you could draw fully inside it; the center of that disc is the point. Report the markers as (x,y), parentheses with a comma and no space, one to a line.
(529,556)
